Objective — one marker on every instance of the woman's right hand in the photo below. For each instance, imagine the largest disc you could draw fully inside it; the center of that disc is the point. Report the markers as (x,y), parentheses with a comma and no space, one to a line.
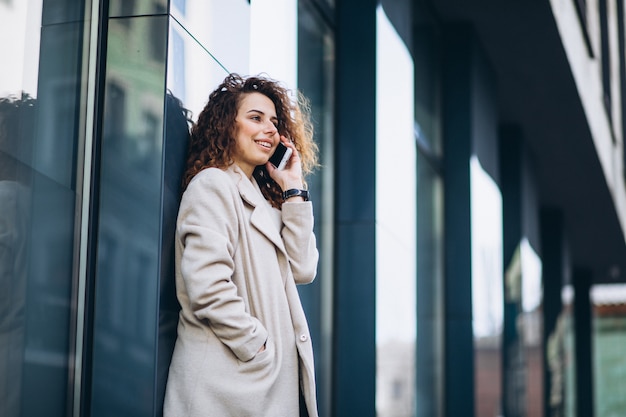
(291,175)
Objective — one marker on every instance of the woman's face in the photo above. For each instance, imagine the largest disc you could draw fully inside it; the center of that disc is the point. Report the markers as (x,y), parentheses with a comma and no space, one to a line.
(256,133)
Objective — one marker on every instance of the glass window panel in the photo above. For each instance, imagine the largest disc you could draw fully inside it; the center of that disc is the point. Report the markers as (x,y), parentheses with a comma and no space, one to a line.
(221,27)
(61,11)
(560,353)
(273,39)
(39,112)
(315,79)
(487,291)
(55,149)
(429,264)
(126,8)
(192,72)
(426,51)
(395,226)
(48,297)
(609,339)
(532,295)
(20,21)
(127,270)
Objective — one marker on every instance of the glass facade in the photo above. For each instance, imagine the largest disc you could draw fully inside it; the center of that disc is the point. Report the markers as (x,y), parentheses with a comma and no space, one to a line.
(315,78)
(128,230)
(42,112)
(429,366)
(609,336)
(96,98)
(395,225)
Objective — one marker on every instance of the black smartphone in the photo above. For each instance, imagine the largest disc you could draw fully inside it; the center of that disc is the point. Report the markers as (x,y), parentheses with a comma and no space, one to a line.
(280,156)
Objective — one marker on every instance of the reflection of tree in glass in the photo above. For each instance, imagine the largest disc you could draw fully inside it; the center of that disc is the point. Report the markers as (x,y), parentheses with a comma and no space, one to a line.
(17,118)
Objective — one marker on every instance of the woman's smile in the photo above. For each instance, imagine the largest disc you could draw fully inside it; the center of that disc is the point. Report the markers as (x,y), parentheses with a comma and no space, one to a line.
(256,132)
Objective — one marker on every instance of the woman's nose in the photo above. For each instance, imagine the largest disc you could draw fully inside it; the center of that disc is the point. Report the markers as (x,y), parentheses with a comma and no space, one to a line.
(271,129)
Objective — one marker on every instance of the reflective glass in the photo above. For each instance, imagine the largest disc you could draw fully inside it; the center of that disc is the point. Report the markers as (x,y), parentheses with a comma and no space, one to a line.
(40,110)
(221,27)
(531,327)
(560,351)
(609,339)
(128,240)
(192,73)
(429,360)
(395,225)
(426,53)
(429,351)
(487,288)
(316,64)
(126,8)
(62,11)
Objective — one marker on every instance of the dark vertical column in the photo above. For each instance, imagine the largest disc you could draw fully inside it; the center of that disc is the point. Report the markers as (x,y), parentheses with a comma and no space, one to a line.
(354,344)
(552,250)
(511,176)
(583,336)
(458,335)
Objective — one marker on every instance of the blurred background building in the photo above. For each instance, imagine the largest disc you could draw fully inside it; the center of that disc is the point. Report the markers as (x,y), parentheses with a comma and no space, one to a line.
(470,208)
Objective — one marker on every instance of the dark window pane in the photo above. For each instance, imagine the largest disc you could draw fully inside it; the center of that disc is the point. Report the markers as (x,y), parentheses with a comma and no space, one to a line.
(38,142)
(127,272)
(126,8)
(316,60)
(62,11)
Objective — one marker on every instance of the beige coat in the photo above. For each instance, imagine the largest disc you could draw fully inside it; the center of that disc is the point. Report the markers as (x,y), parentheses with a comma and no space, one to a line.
(238,262)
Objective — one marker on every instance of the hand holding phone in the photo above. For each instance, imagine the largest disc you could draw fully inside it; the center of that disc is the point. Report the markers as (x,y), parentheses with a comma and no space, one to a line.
(281,156)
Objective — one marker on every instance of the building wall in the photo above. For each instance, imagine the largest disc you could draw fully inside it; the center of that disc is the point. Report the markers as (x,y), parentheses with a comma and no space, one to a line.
(451,259)
(586,59)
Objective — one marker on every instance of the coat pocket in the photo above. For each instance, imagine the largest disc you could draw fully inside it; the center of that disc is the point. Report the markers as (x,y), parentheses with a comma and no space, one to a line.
(261,361)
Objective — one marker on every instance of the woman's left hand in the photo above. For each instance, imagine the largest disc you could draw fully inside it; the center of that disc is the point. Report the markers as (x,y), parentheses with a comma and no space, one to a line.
(290,176)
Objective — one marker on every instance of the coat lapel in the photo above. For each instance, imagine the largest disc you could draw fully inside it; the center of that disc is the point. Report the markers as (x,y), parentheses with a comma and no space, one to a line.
(259,218)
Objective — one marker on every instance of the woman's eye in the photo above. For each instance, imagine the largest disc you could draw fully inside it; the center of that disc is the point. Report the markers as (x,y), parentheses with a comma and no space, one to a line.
(257,118)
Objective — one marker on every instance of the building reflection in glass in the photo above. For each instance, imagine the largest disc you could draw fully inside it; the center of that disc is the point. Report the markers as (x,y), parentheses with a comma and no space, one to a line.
(487,292)
(395,226)
(41,110)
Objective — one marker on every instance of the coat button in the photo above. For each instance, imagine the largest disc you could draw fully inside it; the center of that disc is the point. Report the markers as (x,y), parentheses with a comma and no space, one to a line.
(303,338)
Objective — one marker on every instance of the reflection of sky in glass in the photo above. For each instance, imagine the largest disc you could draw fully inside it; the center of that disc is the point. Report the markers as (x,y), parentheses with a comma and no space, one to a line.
(222,27)
(18,18)
(202,28)
(187,57)
(273,39)
(486,213)
(531,277)
(395,188)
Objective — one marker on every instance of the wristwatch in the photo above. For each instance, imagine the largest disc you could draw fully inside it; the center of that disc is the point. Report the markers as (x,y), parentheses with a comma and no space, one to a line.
(294,192)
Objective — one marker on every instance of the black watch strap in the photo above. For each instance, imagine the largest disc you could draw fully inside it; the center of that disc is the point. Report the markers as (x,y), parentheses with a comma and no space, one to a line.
(294,192)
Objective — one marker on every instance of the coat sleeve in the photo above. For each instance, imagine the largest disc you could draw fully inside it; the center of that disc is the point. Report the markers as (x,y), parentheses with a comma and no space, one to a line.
(300,241)
(208,232)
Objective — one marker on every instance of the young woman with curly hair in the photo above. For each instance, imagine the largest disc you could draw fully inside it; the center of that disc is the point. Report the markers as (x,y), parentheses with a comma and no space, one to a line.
(244,239)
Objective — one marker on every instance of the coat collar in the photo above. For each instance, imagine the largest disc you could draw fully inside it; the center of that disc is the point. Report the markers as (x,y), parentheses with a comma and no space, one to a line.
(260,218)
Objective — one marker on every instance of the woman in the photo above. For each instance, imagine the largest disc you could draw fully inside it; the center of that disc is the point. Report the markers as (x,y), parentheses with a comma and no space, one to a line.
(244,239)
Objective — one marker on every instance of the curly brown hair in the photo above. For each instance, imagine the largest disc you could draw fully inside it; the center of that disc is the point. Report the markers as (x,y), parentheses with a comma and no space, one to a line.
(213,135)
